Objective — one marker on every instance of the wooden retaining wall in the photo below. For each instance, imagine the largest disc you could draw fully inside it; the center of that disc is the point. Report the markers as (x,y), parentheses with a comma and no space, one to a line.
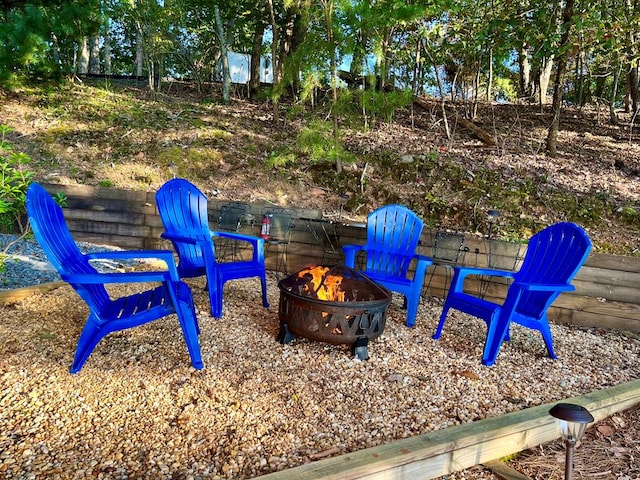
(607,286)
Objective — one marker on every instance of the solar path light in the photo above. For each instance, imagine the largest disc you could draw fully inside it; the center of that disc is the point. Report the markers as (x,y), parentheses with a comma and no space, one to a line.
(572,422)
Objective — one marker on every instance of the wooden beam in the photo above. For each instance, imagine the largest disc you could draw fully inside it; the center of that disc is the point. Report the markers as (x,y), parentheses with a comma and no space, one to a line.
(11,296)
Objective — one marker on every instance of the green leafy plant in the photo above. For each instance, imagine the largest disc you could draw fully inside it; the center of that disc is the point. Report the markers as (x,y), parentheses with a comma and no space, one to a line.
(318,141)
(14,181)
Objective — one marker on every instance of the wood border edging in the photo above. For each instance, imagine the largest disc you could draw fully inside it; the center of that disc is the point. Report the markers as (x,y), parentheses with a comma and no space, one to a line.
(17,294)
(456,448)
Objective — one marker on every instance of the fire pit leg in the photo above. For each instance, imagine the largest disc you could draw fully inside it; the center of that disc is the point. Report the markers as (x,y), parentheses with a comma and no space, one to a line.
(359,348)
(284,335)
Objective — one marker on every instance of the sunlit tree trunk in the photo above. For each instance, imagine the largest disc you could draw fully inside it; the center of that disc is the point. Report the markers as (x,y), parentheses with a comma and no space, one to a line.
(275,68)
(224,53)
(107,49)
(526,91)
(543,80)
(94,55)
(139,51)
(83,56)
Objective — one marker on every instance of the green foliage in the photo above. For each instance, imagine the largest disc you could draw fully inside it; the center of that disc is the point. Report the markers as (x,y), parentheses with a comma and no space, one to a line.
(504,90)
(105,184)
(14,181)
(385,104)
(40,42)
(279,158)
(318,141)
(630,214)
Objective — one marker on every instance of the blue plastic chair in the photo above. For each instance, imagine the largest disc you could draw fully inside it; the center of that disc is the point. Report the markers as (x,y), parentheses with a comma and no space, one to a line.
(108,315)
(183,211)
(393,233)
(553,257)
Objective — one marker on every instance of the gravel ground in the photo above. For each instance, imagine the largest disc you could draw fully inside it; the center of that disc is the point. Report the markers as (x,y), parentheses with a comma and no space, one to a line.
(26,264)
(139,410)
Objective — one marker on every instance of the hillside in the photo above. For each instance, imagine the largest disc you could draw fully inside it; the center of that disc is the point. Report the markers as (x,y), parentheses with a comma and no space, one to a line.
(118,136)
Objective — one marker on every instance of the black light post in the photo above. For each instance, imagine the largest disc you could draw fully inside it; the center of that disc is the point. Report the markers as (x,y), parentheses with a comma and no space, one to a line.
(572,422)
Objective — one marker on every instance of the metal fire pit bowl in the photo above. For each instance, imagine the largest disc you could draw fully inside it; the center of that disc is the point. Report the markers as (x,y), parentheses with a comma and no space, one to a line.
(360,317)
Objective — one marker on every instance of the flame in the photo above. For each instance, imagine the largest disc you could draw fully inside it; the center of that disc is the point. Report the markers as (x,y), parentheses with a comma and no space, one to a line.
(325,287)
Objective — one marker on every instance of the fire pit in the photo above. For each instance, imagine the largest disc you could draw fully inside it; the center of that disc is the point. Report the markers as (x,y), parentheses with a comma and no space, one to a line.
(336,305)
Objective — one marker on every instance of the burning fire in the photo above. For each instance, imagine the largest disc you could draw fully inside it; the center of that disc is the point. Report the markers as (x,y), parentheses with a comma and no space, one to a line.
(323,286)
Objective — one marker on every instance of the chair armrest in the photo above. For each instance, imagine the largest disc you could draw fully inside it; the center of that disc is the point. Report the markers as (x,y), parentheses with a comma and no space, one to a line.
(193,240)
(460,273)
(536,287)
(164,255)
(119,277)
(240,236)
(466,271)
(423,259)
(421,266)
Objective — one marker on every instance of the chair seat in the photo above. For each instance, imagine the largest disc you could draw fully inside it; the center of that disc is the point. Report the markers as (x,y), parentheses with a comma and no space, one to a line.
(478,307)
(381,278)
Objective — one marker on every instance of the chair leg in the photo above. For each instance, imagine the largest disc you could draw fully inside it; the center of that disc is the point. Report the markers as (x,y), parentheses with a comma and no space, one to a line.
(263,282)
(411,304)
(215,289)
(497,333)
(546,334)
(443,317)
(90,336)
(189,324)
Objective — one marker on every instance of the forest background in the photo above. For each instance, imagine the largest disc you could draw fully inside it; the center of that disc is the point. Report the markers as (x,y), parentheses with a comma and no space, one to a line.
(453,108)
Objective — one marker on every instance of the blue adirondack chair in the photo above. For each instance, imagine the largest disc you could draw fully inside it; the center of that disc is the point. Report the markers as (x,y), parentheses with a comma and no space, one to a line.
(107,315)
(183,211)
(554,256)
(393,233)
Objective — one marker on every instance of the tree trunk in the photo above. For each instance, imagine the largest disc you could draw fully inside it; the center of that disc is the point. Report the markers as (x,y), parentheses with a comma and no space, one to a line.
(256,57)
(328,17)
(416,69)
(107,49)
(490,77)
(613,117)
(543,80)
(634,93)
(83,57)
(275,69)
(224,49)
(94,55)
(139,51)
(525,73)
(552,137)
